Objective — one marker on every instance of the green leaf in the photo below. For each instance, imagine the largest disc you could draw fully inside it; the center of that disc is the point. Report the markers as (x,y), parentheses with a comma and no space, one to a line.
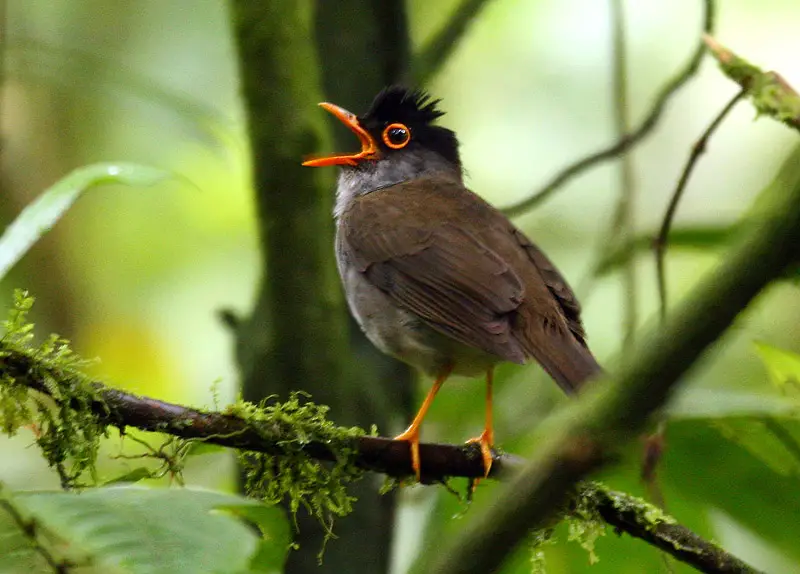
(751,476)
(17,551)
(783,366)
(199,448)
(140,530)
(41,215)
(271,521)
(135,475)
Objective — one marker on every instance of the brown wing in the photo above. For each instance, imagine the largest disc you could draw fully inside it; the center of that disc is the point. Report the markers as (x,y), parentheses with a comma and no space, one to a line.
(432,256)
(557,285)
(454,283)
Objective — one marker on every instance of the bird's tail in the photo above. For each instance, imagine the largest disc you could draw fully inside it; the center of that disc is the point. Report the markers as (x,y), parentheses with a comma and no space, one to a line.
(565,359)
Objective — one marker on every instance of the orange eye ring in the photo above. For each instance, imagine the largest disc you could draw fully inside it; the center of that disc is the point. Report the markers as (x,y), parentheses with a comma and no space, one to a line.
(396,136)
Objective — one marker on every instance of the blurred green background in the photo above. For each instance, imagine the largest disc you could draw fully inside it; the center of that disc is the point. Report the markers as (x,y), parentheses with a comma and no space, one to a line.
(136,277)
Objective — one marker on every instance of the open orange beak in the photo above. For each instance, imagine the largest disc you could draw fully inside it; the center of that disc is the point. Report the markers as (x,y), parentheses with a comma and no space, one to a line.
(369,149)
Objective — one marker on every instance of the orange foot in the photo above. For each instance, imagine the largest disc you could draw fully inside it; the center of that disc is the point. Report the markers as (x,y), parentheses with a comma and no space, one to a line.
(411,436)
(486,440)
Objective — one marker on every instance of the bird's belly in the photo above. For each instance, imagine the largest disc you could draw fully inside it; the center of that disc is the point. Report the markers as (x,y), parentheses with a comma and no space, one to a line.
(405,336)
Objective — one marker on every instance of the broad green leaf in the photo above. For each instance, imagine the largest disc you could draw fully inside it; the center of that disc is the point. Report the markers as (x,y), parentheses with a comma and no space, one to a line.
(17,551)
(783,366)
(700,465)
(41,215)
(272,551)
(150,531)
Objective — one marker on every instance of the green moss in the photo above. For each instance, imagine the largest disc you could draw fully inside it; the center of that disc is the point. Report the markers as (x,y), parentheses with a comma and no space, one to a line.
(585,524)
(321,488)
(66,425)
(540,539)
(645,513)
(770,95)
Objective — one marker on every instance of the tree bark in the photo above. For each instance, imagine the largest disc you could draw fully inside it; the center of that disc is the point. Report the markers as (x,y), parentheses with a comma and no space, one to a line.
(298,336)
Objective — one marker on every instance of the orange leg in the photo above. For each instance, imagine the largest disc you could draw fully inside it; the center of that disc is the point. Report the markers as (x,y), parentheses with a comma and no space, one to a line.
(486,439)
(411,434)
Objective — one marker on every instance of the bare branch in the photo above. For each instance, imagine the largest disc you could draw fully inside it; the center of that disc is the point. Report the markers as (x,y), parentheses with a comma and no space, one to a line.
(660,242)
(632,138)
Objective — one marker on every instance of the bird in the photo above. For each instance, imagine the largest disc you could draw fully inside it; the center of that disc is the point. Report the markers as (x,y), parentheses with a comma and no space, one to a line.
(436,276)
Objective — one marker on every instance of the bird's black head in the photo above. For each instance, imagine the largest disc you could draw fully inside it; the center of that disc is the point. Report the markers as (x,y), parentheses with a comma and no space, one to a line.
(399,120)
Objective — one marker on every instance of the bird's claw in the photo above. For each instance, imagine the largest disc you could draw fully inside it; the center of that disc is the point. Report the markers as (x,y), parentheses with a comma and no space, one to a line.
(411,436)
(486,441)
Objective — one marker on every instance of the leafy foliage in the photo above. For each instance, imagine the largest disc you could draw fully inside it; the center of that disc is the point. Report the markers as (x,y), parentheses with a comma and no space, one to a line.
(129,529)
(782,366)
(41,215)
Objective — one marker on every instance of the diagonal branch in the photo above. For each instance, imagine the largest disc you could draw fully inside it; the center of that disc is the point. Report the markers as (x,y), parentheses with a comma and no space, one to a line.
(433,56)
(611,414)
(624,512)
(629,140)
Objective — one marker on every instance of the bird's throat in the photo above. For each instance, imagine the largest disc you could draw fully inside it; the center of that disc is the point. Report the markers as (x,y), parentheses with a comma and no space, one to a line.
(371,176)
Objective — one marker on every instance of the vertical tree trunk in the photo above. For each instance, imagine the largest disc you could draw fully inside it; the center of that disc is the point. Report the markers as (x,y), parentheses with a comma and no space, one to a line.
(298,336)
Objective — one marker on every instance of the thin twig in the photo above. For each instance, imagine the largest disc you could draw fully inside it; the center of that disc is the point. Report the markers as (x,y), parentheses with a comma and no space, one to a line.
(623,225)
(622,511)
(660,242)
(436,52)
(629,140)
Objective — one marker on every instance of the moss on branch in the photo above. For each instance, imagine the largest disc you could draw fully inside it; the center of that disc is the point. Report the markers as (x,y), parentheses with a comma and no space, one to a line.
(289,450)
(770,94)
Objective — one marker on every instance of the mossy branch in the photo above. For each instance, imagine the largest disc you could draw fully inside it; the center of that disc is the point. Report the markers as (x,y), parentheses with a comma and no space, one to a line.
(240,428)
(646,522)
(770,94)
(236,428)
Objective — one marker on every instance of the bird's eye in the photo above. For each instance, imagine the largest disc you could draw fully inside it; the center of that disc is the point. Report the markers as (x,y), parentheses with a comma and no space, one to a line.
(396,136)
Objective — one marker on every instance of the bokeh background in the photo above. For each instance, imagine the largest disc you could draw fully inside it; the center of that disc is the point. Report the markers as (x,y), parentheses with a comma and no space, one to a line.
(136,277)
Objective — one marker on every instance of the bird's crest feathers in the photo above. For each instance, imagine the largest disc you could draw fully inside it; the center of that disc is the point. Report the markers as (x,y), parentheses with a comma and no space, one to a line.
(396,103)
